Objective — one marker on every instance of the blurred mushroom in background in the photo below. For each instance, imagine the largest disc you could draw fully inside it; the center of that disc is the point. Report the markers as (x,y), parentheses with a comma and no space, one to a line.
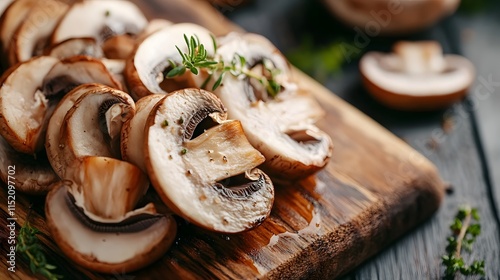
(391,17)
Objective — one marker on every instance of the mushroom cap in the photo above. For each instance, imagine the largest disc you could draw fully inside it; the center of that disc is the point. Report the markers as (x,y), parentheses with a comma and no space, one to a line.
(202,166)
(145,68)
(110,250)
(132,141)
(388,17)
(90,127)
(23,106)
(416,77)
(33,175)
(31,37)
(281,128)
(100,19)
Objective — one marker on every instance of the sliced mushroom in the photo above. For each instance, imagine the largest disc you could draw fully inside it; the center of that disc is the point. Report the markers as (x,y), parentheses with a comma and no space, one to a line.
(282,127)
(202,166)
(91,127)
(31,38)
(10,20)
(146,69)
(32,175)
(100,19)
(416,76)
(4,5)
(388,17)
(41,82)
(105,245)
(132,138)
(75,47)
(24,106)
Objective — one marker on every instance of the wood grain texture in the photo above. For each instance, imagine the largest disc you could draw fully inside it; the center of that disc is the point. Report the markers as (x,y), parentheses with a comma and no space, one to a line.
(375,189)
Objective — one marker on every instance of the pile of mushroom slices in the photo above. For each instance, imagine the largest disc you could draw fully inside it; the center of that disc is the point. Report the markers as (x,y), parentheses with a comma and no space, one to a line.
(282,128)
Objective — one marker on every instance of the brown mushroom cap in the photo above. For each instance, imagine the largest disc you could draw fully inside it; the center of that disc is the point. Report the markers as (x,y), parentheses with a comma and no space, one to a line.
(416,77)
(106,247)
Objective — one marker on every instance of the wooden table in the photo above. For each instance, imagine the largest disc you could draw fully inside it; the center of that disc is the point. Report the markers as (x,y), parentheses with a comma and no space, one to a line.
(468,155)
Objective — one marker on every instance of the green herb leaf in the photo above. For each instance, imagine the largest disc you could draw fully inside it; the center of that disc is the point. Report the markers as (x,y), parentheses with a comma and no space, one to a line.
(464,233)
(177,71)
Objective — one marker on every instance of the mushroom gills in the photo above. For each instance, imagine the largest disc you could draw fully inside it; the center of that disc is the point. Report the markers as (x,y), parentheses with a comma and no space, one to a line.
(131,224)
(240,186)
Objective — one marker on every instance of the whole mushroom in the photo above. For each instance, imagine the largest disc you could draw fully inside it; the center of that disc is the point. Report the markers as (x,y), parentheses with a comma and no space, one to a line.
(416,76)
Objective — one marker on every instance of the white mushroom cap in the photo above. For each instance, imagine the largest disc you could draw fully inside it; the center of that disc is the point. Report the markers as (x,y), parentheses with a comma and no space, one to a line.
(106,247)
(31,37)
(91,127)
(389,17)
(281,128)
(416,76)
(4,4)
(203,166)
(145,69)
(100,19)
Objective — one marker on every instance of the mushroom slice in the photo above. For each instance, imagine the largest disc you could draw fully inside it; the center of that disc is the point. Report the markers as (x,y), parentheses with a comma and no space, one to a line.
(132,141)
(202,166)
(32,175)
(41,82)
(146,69)
(24,107)
(75,47)
(281,127)
(416,77)
(11,19)
(100,19)
(91,127)
(31,38)
(102,245)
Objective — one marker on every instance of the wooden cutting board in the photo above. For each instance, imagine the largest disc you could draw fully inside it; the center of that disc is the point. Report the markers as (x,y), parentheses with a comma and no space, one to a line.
(375,189)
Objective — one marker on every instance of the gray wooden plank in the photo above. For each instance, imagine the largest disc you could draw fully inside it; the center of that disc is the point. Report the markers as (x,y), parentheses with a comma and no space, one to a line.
(417,255)
(481,44)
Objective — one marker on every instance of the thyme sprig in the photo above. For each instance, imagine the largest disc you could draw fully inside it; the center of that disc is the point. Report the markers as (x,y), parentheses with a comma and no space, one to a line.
(196,58)
(465,228)
(28,245)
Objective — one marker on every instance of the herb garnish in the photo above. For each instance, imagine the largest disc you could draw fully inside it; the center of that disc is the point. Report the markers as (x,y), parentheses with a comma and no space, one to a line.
(29,246)
(465,229)
(196,58)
